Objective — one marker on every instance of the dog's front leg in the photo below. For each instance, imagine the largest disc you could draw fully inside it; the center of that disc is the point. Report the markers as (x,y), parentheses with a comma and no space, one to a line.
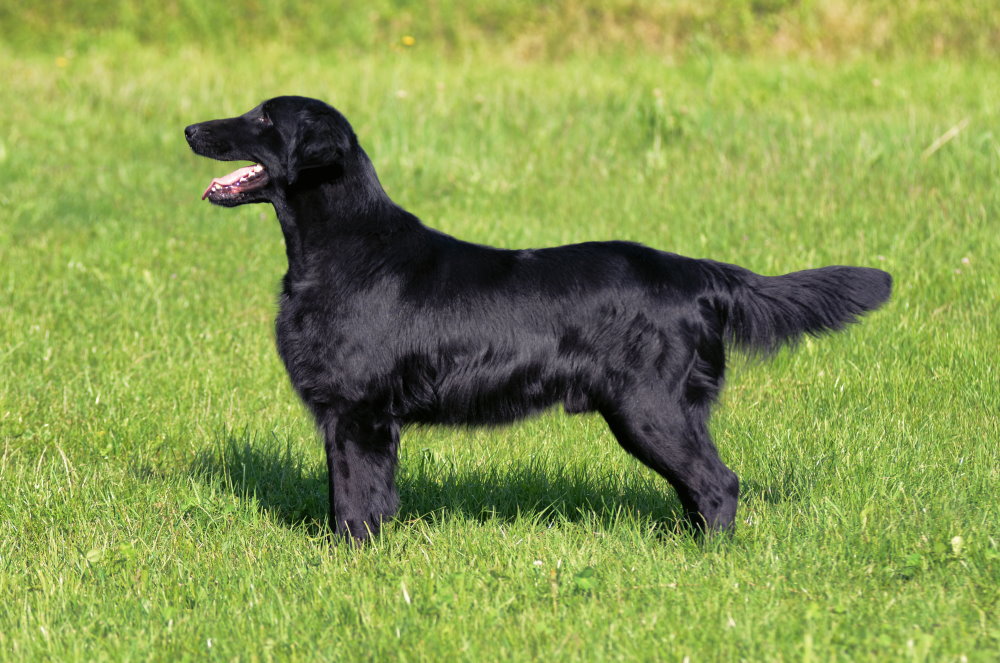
(361,455)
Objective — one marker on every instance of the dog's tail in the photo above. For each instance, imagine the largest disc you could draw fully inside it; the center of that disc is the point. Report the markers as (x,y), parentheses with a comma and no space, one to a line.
(762,313)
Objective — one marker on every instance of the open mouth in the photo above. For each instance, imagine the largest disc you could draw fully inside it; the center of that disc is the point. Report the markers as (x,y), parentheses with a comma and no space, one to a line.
(242,180)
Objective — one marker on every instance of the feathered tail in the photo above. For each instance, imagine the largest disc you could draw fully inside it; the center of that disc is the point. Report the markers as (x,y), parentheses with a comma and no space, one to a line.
(762,313)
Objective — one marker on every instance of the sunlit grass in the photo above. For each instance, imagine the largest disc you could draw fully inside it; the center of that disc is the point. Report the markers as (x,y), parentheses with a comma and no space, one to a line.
(161,490)
(527,31)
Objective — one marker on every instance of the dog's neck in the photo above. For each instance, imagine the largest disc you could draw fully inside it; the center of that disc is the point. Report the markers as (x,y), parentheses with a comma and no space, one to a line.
(337,207)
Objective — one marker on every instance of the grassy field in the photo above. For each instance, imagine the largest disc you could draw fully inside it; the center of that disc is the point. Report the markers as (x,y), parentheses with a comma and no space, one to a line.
(162,492)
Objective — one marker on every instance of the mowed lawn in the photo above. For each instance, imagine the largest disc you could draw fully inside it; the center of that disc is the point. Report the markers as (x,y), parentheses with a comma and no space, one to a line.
(162,492)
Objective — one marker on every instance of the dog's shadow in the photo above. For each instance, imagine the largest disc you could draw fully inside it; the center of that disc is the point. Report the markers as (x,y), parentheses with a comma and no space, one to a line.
(293,490)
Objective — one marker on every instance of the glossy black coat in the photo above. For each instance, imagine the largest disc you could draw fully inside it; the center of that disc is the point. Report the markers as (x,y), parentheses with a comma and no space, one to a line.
(384,321)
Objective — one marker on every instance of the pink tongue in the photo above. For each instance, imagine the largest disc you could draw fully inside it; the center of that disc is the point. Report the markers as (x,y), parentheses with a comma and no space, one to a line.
(231,178)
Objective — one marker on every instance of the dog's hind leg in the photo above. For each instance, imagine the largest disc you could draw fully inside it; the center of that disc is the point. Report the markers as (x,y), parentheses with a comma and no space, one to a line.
(673,440)
(361,455)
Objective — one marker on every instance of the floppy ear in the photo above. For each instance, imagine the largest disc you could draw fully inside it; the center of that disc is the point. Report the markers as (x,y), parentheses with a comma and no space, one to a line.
(318,142)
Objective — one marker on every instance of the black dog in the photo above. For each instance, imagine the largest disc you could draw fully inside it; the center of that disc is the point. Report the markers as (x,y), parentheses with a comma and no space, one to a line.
(384,321)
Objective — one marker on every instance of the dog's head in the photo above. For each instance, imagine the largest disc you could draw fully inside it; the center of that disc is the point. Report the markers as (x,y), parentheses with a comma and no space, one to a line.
(286,138)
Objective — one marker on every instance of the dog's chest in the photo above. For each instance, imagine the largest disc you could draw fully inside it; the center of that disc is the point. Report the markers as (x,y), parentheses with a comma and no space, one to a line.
(307,339)
(328,341)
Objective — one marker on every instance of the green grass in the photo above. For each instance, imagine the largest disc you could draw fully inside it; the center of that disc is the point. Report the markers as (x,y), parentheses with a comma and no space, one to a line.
(550,30)
(161,490)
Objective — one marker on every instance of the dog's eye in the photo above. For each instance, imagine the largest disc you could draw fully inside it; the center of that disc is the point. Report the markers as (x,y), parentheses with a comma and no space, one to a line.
(264,120)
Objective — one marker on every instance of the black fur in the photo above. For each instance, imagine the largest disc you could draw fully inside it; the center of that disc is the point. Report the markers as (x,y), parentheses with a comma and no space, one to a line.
(384,321)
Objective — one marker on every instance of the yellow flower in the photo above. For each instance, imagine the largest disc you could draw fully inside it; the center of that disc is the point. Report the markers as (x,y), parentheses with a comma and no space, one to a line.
(62,61)
(408,40)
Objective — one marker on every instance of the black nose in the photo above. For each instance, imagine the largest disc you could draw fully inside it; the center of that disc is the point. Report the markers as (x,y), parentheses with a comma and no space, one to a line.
(190,131)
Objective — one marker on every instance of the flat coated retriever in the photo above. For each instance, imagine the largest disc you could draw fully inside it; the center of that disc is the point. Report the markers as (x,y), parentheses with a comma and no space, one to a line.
(384,321)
